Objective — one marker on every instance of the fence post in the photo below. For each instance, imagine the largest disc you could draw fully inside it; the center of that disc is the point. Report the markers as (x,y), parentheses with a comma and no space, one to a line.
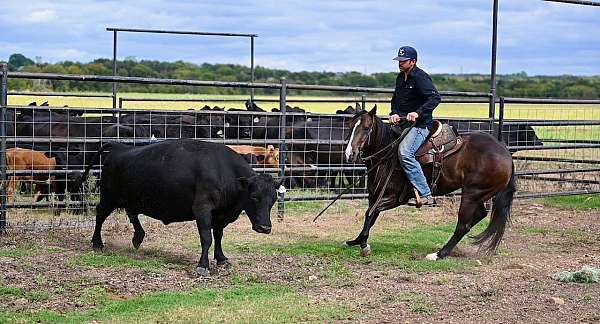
(282,128)
(364,102)
(500,119)
(3,103)
(493,83)
(114,68)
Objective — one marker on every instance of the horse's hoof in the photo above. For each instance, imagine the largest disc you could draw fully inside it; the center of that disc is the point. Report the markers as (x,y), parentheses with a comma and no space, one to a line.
(137,241)
(366,251)
(202,272)
(97,247)
(432,256)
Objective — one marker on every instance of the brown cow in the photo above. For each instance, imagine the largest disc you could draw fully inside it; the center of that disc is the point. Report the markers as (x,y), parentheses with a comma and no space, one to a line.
(25,159)
(266,156)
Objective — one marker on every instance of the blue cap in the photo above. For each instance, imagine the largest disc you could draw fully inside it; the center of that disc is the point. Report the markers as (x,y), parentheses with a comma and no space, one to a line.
(406,53)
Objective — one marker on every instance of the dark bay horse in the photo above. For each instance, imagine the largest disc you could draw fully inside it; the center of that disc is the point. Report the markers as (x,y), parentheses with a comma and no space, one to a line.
(482,169)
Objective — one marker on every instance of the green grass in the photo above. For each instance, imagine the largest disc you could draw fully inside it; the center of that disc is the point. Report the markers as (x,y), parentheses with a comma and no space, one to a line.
(93,296)
(417,303)
(403,249)
(32,296)
(583,202)
(578,235)
(254,303)
(29,249)
(18,251)
(114,260)
(10,291)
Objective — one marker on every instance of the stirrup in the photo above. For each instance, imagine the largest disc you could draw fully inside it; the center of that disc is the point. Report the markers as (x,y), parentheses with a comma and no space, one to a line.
(415,201)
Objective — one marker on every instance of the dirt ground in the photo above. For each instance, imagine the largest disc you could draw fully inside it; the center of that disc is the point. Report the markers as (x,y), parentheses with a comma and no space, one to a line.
(513,286)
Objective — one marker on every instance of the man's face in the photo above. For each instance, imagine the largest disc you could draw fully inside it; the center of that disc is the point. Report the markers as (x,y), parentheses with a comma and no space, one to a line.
(405,66)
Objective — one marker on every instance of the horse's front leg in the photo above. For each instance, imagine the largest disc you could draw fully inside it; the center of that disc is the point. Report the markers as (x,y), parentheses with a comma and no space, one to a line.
(361,239)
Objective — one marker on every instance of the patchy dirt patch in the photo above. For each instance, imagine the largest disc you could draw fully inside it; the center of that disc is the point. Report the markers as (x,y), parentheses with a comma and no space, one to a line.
(44,269)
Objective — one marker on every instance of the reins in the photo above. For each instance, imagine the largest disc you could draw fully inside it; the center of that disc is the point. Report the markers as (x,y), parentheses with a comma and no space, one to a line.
(376,165)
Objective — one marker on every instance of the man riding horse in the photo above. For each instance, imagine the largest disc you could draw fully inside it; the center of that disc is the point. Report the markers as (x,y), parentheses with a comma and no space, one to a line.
(414,100)
(476,163)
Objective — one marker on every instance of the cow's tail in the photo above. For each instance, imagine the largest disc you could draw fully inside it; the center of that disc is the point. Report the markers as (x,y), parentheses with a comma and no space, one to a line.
(490,238)
(94,161)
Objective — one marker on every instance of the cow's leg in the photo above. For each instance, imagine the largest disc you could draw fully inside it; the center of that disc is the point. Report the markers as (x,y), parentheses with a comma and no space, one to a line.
(362,238)
(102,211)
(10,188)
(204,224)
(139,233)
(469,214)
(219,255)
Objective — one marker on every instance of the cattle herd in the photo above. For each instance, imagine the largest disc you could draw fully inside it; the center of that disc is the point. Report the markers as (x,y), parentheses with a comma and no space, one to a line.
(68,139)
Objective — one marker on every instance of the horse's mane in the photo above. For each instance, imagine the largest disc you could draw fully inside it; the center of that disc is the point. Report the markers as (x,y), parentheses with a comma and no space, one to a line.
(388,165)
(387,134)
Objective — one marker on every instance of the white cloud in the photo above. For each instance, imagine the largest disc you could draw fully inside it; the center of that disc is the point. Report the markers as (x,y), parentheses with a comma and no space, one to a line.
(40,16)
(69,54)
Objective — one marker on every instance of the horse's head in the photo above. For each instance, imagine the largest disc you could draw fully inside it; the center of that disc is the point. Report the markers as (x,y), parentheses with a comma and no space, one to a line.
(361,126)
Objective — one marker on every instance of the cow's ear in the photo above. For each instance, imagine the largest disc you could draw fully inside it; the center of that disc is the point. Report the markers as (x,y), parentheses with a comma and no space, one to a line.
(244,182)
(373,111)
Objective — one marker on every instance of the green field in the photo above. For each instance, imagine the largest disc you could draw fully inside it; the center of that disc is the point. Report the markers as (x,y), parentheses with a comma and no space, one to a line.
(475,110)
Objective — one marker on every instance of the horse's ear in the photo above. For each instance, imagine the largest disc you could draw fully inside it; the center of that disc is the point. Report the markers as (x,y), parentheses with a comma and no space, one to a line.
(358,107)
(373,111)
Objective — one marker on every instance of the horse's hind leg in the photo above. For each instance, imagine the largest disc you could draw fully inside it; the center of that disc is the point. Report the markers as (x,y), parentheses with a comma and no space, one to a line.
(470,213)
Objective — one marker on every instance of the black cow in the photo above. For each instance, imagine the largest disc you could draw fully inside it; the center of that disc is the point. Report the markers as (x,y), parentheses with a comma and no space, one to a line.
(318,150)
(512,135)
(183,180)
(251,106)
(239,125)
(348,111)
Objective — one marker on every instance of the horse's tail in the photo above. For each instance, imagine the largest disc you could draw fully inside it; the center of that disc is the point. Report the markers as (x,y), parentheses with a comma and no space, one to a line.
(490,238)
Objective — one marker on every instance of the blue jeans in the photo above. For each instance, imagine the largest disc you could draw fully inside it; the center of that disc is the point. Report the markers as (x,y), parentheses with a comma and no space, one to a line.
(406,152)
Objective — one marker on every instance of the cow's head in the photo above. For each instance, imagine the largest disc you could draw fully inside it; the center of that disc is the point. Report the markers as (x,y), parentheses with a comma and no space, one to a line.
(261,193)
(272,156)
(238,126)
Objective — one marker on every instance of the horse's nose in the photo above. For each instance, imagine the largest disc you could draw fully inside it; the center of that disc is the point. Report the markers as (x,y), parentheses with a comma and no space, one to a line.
(351,156)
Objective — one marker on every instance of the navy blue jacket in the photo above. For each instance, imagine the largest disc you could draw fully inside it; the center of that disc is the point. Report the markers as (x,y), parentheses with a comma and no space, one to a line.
(416,94)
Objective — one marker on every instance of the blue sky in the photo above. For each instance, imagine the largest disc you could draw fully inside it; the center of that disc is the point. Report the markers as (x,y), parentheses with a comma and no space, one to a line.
(537,37)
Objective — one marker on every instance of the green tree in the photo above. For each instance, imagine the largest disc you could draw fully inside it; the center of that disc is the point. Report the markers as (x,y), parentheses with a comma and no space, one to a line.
(17,61)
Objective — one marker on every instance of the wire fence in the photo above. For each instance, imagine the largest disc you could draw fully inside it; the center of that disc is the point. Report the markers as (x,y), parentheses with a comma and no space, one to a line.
(556,144)
(54,144)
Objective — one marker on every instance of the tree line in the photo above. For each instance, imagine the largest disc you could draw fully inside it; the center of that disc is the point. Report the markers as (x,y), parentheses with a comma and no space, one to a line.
(511,85)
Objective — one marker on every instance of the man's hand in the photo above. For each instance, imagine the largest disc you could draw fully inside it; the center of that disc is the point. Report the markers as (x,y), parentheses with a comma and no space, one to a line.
(412,116)
(394,119)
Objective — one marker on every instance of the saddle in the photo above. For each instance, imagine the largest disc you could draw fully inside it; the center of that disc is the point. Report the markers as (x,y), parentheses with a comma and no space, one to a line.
(443,141)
